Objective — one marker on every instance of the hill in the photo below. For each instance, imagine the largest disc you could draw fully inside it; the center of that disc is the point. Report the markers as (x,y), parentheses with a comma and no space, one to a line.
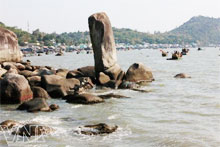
(204,30)
(201,30)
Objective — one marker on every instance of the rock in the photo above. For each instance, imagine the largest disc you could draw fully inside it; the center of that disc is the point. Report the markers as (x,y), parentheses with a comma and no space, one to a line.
(62,72)
(60,54)
(86,82)
(103,44)
(9,50)
(97,129)
(20,66)
(9,65)
(182,75)
(87,71)
(84,98)
(2,71)
(33,129)
(29,67)
(54,107)
(128,85)
(138,72)
(45,71)
(112,95)
(11,70)
(8,124)
(103,78)
(175,56)
(27,73)
(14,89)
(39,92)
(34,105)
(57,86)
(34,80)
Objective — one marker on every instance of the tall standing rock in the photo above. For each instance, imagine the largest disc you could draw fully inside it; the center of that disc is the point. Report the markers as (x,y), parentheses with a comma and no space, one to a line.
(103,46)
(9,50)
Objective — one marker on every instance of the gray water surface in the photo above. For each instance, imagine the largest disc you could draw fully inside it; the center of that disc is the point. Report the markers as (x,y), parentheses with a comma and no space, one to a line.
(175,113)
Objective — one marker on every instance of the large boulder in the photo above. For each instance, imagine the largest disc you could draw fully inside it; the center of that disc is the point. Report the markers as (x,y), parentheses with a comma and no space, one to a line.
(138,72)
(103,44)
(14,89)
(9,50)
(34,105)
(83,98)
(58,86)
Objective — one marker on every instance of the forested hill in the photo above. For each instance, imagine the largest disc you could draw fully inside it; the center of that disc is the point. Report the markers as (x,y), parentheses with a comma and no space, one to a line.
(200,29)
(203,29)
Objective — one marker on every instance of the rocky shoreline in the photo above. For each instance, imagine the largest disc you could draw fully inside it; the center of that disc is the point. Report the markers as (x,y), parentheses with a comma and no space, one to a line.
(31,86)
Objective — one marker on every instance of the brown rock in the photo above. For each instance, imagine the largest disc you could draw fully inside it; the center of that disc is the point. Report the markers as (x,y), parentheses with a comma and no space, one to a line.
(58,86)
(62,72)
(33,129)
(34,81)
(84,98)
(27,73)
(2,71)
(182,75)
(138,72)
(97,129)
(54,107)
(103,44)
(39,92)
(14,89)
(9,50)
(103,78)
(8,124)
(34,105)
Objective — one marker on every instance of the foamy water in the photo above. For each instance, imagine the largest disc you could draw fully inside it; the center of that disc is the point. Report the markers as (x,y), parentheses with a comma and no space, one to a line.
(176,112)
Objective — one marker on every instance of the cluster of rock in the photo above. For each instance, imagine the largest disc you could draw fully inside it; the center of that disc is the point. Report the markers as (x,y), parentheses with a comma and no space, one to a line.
(31,86)
(36,129)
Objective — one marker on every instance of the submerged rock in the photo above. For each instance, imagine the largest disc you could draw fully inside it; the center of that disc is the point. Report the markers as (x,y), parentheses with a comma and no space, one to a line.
(14,89)
(103,44)
(182,75)
(97,129)
(138,72)
(8,124)
(54,107)
(84,98)
(33,129)
(9,50)
(34,105)
(112,95)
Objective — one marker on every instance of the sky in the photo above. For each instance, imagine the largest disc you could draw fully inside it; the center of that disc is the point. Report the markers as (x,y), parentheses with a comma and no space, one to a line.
(72,15)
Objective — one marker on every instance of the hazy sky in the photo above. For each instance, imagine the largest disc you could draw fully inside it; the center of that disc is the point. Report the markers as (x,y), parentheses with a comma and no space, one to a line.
(72,15)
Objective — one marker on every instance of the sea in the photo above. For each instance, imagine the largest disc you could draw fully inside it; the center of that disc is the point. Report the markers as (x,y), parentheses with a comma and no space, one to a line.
(173,113)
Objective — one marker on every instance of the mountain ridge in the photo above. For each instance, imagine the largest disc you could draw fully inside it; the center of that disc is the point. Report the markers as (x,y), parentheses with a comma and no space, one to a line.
(201,30)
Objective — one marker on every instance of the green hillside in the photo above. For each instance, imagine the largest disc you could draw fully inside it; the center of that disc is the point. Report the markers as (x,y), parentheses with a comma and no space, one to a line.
(200,29)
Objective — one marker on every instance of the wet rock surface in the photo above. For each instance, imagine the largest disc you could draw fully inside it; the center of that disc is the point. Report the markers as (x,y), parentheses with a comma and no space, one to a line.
(35,105)
(97,129)
(84,98)
(33,129)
